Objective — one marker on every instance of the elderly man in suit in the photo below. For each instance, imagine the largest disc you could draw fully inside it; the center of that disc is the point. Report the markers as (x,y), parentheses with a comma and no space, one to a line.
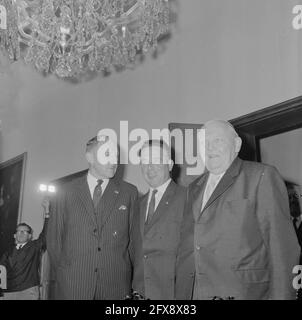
(89,236)
(161,212)
(237,238)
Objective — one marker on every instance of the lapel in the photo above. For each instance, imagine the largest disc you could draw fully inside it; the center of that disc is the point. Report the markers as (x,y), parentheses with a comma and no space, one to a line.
(163,205)
(109,200)
(226,181)
(142,210)
(197,194)
(85,197)
(299,229)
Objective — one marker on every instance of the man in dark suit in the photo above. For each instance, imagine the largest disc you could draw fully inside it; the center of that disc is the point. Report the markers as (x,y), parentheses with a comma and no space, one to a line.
(89,235)
(161,213)
(22,261)
(238,238)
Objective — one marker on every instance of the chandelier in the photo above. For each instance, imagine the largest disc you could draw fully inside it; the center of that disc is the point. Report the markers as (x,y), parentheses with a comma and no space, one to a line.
(69,38)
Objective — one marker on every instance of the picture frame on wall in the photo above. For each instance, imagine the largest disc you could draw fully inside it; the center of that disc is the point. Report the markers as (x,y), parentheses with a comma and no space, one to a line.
(188,164)
(12,175)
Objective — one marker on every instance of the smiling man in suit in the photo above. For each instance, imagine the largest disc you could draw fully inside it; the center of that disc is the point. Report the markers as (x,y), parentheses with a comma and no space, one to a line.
(89,236)
(161,212)
(237,238)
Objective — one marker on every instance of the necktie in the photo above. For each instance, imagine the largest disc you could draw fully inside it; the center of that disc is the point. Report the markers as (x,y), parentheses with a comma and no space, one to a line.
(97,193)
(211,185)
(151,207)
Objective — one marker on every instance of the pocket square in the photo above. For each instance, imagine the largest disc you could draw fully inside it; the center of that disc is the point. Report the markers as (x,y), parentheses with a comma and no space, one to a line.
(122,207)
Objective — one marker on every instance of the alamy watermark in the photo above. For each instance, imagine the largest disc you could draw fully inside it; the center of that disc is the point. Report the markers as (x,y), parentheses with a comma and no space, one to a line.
(189,145)
(297,20)
(3,278)
(3,18)
(297,281)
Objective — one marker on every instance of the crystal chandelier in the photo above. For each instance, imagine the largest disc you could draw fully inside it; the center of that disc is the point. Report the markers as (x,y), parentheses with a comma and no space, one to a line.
(72,37)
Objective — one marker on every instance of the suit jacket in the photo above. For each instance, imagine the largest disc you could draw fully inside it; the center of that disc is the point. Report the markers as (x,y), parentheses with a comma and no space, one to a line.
(243,243)
(86,246)
(299,236)
(154,272)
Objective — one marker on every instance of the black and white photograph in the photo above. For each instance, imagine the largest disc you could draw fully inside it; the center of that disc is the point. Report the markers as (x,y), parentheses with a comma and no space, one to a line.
(150,150)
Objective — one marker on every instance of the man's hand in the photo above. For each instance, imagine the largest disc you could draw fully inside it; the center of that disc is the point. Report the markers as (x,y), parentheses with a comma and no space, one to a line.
(46,205)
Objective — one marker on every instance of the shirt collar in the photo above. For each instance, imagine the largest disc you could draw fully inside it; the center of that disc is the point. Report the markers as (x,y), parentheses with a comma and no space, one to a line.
(161,189)
(20,245)
(92,180)
(217,176)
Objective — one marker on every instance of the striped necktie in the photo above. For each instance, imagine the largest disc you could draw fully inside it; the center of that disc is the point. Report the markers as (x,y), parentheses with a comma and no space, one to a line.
(151,207)
(97,193)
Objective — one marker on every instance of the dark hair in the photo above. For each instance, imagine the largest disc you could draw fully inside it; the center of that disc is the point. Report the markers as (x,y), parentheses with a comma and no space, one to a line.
(91,143)
(152,142)
(25,225)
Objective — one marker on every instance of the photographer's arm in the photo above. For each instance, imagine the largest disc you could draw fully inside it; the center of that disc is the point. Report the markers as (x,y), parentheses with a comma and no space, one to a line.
(46,213)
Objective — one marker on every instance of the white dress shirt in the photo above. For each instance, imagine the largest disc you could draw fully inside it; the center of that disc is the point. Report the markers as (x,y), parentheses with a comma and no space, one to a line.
(20,245)
(160,192)
(93,181)
(212,183)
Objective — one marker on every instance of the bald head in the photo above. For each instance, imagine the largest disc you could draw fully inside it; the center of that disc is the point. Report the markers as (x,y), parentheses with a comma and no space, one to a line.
(222,145)
(221,125)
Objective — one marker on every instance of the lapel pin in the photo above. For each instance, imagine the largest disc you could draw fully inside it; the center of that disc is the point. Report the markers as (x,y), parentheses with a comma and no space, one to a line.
(116,192)
(122,207)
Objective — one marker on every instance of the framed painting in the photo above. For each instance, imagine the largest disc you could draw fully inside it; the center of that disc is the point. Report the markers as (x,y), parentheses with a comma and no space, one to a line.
(12,174)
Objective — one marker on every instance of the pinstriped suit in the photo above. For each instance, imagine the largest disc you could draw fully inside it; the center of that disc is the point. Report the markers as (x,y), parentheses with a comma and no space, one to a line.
(91,251)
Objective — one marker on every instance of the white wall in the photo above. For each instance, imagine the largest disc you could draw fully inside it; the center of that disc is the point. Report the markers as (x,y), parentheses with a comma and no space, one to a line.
(226,58)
